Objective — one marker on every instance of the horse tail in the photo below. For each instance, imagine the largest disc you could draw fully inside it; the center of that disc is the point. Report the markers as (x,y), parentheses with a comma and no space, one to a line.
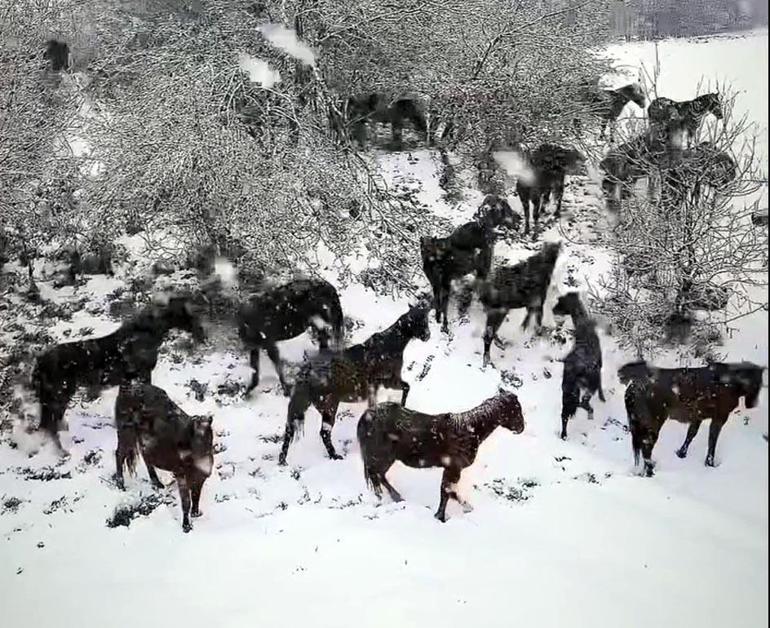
(601,394)
(128,442)
(363,430)
(337,320)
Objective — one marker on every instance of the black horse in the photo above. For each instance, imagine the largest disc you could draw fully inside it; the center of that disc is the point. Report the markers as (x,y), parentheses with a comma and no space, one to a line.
(127,354)
(468,249)
(354,374)
(284,312)
(377,107)
(607,104)
(673,117)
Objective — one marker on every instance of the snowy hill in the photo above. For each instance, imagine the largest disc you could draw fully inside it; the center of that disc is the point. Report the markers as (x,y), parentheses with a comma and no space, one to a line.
(562,533)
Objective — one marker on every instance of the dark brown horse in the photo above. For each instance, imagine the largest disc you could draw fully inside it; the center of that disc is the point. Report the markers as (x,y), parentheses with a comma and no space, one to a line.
(147,420)
(522,285)
(688,395)
(284,312)
(354,374)
(129,353)
(390,432)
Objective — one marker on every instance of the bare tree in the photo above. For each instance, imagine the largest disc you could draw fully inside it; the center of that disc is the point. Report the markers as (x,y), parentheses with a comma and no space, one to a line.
(690,258)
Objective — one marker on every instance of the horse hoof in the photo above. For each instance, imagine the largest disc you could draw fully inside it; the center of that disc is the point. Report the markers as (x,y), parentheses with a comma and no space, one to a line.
(467,508)
(196,514)
(710,462)
(186,527)
(441,517)
(336,457)
(681,453)
(281,462)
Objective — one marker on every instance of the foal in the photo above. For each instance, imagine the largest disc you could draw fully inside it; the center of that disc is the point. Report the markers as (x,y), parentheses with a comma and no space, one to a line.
(523,285)
(168,438)
(583,365)
(354,374)
(688,395)
(129,353)
(284,312)
(390,432)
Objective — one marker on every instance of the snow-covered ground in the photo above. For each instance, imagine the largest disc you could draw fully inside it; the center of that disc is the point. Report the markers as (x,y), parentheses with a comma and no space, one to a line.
(563,533)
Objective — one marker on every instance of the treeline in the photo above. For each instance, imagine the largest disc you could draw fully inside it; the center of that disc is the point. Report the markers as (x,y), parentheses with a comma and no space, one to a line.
(656,19)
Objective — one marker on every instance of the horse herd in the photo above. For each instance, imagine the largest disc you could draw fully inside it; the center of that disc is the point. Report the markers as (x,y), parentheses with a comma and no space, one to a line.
(149,422)
(665,148)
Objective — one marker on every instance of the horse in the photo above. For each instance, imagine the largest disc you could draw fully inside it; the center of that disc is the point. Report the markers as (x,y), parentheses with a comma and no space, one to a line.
(284,312)
(468,249)
(354,374)
(129,353)
(390,432)
(673,117)
(168,438)
(378,107)
(607,104)
(57,54)
(550,164)
(705,165)
(642,156)
(689,395)
(583,365)
(522,285)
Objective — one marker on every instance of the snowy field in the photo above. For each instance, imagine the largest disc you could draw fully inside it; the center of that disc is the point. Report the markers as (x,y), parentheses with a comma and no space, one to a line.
(563,533)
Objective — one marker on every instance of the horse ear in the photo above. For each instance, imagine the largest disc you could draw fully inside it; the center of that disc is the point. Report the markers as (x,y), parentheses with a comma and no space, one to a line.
(205,420)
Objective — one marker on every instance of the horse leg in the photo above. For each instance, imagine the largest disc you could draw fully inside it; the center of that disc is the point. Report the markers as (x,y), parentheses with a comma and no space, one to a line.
(714,429)
(569,405)
(254,362)
(648,440)
(448,482)
(585,403)
(558,193)
(327,423)
(537,203)
(495,318)
(154,479)
(275,358)
(692,430)
(396,128)
(394,494)
(119,459)
(524,197)
(404,392)
(288,436)
(184,496)
(444,291)
(195,489)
